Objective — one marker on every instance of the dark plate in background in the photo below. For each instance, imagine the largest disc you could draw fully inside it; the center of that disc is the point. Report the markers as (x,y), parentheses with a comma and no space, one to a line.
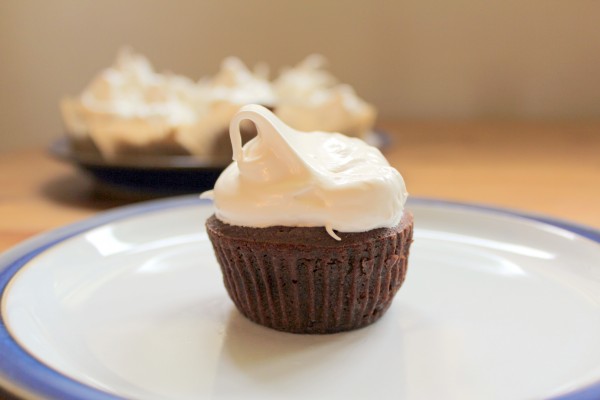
(143,175)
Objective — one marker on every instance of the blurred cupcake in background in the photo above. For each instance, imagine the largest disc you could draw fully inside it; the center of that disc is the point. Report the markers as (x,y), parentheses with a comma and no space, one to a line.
(130,109)
(219,98)
(311,99)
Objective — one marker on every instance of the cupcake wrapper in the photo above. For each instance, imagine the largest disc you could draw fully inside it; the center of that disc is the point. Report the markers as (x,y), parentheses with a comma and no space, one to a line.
(311,290)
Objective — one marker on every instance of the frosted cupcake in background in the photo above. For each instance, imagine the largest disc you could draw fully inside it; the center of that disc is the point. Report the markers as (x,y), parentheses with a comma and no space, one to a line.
(238,85)
(129,108)
(309,229)
(220,97)
(310,98)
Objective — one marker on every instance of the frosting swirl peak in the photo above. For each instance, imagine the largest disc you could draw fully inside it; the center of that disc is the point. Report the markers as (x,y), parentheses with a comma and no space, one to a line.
(292,178)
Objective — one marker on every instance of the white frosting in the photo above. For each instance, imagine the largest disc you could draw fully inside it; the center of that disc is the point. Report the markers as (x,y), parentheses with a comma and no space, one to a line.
(312,99)
(291,178)
(132,103)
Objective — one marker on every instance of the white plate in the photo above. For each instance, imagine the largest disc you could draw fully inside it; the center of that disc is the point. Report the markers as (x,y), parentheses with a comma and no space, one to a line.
(131,304)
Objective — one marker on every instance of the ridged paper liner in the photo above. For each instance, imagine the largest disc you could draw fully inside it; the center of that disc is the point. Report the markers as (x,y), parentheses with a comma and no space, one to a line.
(307,293)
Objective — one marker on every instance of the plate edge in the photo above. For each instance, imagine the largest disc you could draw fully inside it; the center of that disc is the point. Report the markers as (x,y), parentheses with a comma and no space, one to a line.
(20,254)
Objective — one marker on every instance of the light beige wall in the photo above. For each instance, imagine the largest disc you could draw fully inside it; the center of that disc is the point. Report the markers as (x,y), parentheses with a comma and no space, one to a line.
(413,58)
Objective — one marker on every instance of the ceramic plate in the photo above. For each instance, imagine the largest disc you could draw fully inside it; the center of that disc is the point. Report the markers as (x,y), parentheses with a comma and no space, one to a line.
(496,305)
(157,175)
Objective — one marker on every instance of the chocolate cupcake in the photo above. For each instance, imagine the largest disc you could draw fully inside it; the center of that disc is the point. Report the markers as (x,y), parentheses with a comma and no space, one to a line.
(296,279)
(310,229)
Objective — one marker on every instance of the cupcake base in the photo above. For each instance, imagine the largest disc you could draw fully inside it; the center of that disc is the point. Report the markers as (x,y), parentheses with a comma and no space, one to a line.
(301,280)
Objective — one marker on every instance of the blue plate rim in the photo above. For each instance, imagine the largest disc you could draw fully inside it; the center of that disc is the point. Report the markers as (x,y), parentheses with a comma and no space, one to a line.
(23,375)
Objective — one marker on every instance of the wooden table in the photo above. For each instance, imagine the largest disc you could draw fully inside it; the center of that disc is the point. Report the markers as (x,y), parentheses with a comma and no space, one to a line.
(550,168)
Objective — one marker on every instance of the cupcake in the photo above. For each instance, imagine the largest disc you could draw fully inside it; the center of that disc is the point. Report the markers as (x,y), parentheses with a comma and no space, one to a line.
(221,97)
(131,109)
(311,99)
(309,228)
